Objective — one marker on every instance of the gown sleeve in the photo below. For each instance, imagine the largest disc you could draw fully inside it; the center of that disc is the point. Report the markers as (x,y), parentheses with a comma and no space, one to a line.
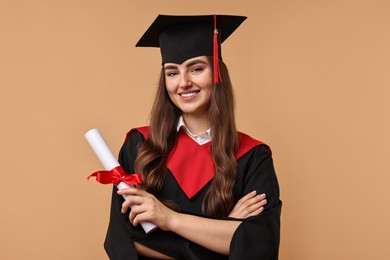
(121,234)
(258,237)
(119,243)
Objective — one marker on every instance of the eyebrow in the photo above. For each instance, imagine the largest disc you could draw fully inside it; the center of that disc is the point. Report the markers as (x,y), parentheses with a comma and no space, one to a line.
(191,63)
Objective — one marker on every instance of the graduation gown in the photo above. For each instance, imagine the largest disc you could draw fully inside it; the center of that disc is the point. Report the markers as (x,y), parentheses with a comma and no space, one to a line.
(256,237)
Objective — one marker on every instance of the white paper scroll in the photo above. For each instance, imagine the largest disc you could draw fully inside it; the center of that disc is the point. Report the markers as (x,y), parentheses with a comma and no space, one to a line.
(103,152)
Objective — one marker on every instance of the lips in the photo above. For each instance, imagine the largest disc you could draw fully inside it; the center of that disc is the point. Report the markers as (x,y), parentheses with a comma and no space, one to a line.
(189,94)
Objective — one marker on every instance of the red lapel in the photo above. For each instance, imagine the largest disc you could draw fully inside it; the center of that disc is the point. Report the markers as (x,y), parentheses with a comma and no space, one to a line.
(191,164)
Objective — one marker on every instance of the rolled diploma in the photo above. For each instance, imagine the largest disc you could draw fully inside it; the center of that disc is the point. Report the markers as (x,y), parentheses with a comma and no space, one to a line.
(103,152)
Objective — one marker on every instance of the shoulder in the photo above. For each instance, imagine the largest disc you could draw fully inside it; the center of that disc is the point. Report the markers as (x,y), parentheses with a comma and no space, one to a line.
(134,139)
(248,143)
(137,133)
(129,150)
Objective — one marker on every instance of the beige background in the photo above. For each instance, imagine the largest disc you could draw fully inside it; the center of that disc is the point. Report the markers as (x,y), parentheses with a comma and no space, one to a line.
(311,78)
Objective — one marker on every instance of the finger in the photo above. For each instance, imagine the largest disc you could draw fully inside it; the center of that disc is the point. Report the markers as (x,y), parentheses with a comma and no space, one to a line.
(254,200)
(136,210)
(258,205)
(248,196)
(263,202)
(142,216)
(255,213)
(250,200)
(132,201)
(132,191)
(258,197)
(253,209)
(243,205)
(251,195)
(142,213)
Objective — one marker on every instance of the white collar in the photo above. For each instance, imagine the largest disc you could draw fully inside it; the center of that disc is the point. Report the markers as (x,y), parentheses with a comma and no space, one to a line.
(200,138)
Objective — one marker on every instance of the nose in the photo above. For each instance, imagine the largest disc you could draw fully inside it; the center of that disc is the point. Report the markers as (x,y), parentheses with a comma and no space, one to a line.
(185,81)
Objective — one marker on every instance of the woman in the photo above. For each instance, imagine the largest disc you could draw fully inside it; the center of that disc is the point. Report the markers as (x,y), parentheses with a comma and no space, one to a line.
(211,190)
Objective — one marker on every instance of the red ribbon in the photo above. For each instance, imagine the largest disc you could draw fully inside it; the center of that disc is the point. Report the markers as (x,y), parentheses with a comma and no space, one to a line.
(115,176)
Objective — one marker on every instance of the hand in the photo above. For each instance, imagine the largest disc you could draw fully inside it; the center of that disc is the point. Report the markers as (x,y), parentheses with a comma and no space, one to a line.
(249,205)
(146,208)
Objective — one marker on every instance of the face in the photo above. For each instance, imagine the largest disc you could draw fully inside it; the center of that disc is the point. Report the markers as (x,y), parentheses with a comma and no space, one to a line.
(189,85)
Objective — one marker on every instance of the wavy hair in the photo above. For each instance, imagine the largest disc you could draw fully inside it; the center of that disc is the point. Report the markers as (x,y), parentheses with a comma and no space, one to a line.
(153,154)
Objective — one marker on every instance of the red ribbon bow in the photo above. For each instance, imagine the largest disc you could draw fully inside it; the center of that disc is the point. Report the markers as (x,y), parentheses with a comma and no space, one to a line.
(115,176)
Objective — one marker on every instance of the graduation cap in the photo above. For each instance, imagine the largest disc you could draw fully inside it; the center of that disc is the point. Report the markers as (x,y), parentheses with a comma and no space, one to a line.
(183,37)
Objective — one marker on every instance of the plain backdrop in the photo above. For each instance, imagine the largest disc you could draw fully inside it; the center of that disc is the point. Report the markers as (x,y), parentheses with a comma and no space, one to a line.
(311,80)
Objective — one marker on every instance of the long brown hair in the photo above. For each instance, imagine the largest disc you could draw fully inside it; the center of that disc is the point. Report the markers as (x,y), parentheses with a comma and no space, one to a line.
(153,154)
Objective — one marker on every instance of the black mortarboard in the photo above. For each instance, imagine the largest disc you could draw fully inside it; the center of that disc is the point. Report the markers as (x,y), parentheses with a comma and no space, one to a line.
(183,37)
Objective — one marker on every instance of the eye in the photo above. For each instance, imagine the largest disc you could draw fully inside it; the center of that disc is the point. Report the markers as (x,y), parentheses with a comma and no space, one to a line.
(197,69)
(171,73)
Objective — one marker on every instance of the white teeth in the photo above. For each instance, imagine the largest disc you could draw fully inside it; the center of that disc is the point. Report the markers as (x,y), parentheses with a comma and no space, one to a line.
(188,94)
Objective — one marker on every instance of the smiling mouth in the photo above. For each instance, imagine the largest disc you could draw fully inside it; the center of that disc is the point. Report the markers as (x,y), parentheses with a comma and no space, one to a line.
(189,94)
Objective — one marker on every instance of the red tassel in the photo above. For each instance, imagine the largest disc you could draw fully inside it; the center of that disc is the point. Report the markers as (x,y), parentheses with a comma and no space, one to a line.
(217,76)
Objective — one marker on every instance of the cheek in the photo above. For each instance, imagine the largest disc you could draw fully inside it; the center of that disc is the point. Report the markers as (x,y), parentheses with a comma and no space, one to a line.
(169,87)
(171,91)
(208,85)
(207,82)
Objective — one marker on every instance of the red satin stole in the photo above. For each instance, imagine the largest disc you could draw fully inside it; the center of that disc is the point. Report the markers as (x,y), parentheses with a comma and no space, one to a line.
(192,164)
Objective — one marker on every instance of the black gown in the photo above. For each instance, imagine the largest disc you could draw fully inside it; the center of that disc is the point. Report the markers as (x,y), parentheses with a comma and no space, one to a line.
(256,237)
